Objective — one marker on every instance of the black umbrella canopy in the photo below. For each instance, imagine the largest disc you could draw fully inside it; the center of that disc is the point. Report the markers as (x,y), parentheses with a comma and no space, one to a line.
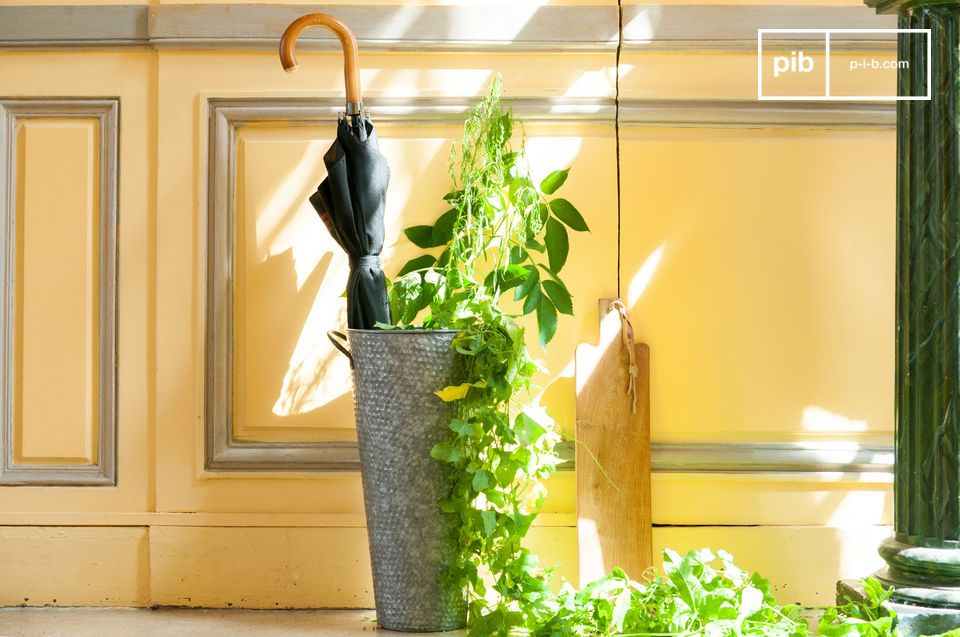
(351,199)
(351,202)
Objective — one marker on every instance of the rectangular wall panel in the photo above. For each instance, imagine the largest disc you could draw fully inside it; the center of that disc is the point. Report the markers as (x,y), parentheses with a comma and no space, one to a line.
(58,278)
(765,279)
(57,373)
(289,274)
(74,566)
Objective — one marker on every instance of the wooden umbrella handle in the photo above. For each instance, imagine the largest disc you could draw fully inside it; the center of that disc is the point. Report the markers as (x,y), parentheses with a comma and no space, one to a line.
(351,68)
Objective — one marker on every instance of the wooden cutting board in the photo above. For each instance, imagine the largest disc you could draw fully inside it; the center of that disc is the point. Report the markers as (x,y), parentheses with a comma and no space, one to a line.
(612,455)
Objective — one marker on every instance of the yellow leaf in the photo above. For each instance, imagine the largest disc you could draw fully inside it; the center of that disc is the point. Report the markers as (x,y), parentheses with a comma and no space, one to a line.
(453,392)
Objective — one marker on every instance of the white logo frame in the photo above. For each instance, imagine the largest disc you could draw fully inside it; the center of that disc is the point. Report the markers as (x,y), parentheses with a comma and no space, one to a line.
(827,97)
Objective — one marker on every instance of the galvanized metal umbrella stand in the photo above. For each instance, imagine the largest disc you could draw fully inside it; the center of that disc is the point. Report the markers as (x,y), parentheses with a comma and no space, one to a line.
(395,374)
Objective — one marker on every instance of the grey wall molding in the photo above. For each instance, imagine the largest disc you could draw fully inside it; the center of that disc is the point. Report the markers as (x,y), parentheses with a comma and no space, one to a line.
(393,27)
(106,111)
(754,114)
(734,27)
(436,27)
(254,26)
(73,26)
(772,458)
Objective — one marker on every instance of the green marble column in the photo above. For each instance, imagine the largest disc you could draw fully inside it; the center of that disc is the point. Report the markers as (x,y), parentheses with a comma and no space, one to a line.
(923,555)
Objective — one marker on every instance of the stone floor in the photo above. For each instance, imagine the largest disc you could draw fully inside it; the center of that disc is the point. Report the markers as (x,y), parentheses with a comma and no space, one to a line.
(176,622)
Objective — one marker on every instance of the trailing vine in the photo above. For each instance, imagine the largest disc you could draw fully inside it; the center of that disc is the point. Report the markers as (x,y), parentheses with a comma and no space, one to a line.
(504,233)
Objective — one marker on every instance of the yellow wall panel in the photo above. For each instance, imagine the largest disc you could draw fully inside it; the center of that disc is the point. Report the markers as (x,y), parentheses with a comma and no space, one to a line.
(260,567)
(67,207)
(762,277)
(58,266)
(70,566)
(289,382)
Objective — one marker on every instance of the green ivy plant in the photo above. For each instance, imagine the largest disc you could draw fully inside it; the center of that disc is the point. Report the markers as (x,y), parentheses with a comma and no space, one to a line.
(504,233)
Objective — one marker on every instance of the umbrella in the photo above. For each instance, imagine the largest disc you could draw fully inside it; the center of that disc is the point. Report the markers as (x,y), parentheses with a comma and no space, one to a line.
(351,200)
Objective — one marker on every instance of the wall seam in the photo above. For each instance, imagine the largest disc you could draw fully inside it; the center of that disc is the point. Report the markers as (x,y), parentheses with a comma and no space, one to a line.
(616,124)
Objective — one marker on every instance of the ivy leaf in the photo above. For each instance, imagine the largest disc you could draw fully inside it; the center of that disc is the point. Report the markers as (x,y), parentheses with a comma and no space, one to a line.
(489,521)
(418,263)
(450,505)
(560,296)
(443,228)
(553,181)
(445,452)
(506,472)
(546,320)
(465,429)
(558,245)
(528,430)
(567,213)
(533,277)
(482,480)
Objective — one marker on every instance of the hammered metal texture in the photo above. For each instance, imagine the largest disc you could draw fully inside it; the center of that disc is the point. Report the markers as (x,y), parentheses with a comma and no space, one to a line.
(399,419)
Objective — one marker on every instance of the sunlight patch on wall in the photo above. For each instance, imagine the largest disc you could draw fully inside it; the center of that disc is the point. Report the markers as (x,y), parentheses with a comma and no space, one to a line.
(403,82)
(592,83)
(644,275)
(643,26)
(818,419)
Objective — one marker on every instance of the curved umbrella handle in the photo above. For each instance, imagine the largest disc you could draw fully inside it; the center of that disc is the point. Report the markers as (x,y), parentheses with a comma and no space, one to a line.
(351,68)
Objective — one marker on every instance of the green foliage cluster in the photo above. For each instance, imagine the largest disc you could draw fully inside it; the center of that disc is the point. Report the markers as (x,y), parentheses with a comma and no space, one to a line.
(504,233)
(854,619)
(703,593)
(501,233)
